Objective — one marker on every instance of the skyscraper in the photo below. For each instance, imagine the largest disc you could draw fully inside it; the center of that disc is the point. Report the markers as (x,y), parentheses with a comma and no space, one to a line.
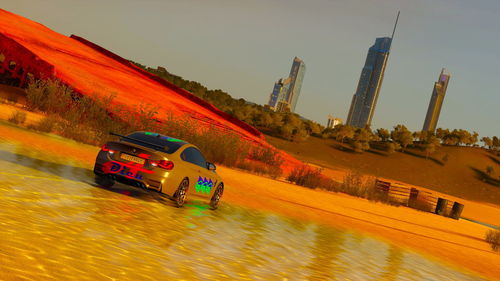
(286,91)
(365,99)
(436,102)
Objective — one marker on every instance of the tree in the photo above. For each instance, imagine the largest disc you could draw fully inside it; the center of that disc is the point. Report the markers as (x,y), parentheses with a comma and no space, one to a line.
(300,135)
(357,146)
(473,138)
(286,131)
(341,132)
(362,139)
(266,120)
(429,148)
(313,128)
(490,171)
(392,147)
(432,143)
(416,135)
(402,135)
(383,134)
(487,142)
(277,120)
(441,133)
(495,142)
(292,120)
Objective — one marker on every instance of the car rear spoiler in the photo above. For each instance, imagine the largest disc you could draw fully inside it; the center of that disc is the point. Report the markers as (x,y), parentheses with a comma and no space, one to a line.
(145,142)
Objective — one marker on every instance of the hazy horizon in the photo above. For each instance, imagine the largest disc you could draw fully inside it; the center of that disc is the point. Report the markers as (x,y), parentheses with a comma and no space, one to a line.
(243,47)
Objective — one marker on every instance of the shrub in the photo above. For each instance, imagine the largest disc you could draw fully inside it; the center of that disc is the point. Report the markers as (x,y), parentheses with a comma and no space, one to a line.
(328,184)
(260,168)
(88,119)
(266,155)
(356,185)
(306,176)
(12,99)
(493,238)
(490,171)
(18,117)
(46,124)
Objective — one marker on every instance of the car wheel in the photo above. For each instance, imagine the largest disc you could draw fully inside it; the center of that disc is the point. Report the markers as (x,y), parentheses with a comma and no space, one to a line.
(180,194)
(214,202)
(104,181)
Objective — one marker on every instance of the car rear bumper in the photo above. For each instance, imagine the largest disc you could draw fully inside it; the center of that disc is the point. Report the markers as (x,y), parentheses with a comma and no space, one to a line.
(122,173)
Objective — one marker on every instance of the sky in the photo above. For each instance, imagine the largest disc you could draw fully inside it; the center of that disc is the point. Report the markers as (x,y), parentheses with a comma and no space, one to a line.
(243,47)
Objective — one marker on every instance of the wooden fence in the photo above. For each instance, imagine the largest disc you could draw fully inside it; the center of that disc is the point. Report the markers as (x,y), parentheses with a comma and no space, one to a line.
(400,194)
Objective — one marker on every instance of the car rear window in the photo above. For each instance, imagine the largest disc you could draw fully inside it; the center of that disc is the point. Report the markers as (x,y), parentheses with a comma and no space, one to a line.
(151,140)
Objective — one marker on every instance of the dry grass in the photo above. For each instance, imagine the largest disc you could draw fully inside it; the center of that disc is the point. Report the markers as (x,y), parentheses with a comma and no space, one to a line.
(89,119)
(260,168)
(46,124)
(463,168)
(18,117)
(493,238)
(304,175)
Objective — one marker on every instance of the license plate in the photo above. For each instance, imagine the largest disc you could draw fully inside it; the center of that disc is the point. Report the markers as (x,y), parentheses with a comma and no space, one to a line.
(132,158)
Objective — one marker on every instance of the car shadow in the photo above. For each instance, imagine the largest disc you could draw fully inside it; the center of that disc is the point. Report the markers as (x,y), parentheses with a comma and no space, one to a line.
(79,174)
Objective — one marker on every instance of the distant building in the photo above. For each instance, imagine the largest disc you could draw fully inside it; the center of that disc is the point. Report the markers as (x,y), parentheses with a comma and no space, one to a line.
(365,99)
(286,91)
(279,93)
(332,122)
(436,102)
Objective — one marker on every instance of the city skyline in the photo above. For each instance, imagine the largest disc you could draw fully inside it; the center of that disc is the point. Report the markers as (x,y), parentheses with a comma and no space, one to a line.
(240,58)
(436,102)
(286,91)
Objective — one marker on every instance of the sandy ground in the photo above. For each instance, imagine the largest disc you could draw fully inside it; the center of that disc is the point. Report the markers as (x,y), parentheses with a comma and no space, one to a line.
(458,243)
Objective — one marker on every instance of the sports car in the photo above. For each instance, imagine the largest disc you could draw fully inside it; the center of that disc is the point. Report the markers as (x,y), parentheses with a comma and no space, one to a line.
(156,162)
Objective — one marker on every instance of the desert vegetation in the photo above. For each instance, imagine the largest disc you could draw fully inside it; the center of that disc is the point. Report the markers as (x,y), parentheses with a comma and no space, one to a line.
(493,238)
(400,138)
(286,125)
(18,117)
(354,183)
(89,119)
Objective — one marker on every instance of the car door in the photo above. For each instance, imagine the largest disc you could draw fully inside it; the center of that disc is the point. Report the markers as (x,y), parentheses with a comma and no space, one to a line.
(201,180)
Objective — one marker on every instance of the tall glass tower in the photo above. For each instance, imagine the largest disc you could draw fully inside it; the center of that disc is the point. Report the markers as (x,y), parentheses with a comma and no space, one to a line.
(365,99)
(286,91)
(436,102)
(296,77)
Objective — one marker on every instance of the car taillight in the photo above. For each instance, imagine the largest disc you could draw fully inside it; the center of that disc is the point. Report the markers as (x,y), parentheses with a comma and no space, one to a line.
(106,148)
(164,164)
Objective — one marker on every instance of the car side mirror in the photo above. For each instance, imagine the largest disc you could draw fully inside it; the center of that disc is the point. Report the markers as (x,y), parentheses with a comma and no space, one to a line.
(211,166)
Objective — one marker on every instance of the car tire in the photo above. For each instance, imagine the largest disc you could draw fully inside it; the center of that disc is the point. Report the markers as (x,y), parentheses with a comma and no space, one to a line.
(104,181)
(181,192)
(214,202)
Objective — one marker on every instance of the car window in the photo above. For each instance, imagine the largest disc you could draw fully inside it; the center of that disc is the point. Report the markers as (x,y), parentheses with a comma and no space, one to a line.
(193,155)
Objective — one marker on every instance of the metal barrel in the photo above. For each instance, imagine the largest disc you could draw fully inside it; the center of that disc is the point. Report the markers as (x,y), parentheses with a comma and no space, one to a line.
(456,210)
(441,206)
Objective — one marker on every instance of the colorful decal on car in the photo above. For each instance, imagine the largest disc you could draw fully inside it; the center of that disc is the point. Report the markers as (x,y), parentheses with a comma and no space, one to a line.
(129,170)
(203,185)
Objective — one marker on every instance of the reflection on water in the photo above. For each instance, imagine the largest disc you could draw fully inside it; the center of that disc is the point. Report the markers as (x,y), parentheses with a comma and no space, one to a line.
(69,229)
